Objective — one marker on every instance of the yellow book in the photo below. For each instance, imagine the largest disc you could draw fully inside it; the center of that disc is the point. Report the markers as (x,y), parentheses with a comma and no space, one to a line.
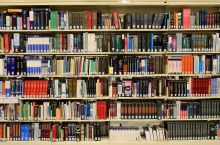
(2,44)
(14,10)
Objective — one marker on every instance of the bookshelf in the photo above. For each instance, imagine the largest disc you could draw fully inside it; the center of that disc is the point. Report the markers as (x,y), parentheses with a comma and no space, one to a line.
(163,79)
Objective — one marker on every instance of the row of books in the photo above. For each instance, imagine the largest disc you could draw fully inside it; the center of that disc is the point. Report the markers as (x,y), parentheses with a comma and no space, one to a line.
(52,131)
(70,110)
(54,110)
(136,65)
(118,65)
(43,65)
(87,110)
(114,42)
(46,18)
(164,110)
(116,88)
(189,130)
(82,42)
(193,130)
(196,64)
(155,133)
(193,87)
(187,19)
(58,88)
(138,87)
(193,42)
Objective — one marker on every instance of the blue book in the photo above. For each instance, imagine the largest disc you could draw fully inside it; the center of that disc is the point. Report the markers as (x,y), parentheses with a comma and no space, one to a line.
(62,22)
(190,110)
(8,67)
(38,20)
(200,67)
(138,88)
(91,111)
(82,108)
(27,130)
(1,20)
(8,88)
(130,44)
(18,23)
(148,65)
(88,111)
(152,42)
(22,132)
(136,65)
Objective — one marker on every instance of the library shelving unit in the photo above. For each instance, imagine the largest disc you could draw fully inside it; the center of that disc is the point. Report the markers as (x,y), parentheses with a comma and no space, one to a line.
(122,6)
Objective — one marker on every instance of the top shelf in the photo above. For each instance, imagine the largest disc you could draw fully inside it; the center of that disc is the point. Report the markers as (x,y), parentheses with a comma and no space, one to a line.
(114,30)
(109,2)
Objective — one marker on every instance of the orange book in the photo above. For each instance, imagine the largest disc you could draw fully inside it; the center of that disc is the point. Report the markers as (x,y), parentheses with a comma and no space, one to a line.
(186,18)
(191,64)
(115,19)
(187,64)
(58,113)
(183,65)
(7,45)
(3,89)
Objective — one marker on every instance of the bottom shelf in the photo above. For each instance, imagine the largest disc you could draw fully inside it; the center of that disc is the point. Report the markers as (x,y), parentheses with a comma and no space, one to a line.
(107,142)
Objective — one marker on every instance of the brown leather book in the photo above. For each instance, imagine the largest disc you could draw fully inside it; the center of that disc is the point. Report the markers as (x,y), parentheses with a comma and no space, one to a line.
(70,88)
(74,88)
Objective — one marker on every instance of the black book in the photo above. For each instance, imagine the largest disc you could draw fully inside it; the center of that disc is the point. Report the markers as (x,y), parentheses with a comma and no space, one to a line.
(141,21)
(4,19)
(133,21)
(159,21)
(14,21)
(137,18)
(150,19)
(46,19)
(42,20)
(139,42)
(128,21)
(145,20)
(70,20)
(154,23)
(18,65)
(35,19)
(81,20)
(113,37)
(24,18)
(99,19)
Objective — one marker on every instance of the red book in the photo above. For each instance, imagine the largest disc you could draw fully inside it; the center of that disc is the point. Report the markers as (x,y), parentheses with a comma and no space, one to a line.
(37,89)
(27,88)
(31,91)
(186,18)
(174,43)
(40,87)
(34,91)
(126,44)
(104,111)
(89,15)
(115,19)
(61,42)
(1,134)
(101,108)
(45,87)
(192,86)
(6,41)
(54,132)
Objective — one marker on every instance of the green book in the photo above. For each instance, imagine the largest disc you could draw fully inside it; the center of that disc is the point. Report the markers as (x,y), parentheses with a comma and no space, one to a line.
(57,42)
